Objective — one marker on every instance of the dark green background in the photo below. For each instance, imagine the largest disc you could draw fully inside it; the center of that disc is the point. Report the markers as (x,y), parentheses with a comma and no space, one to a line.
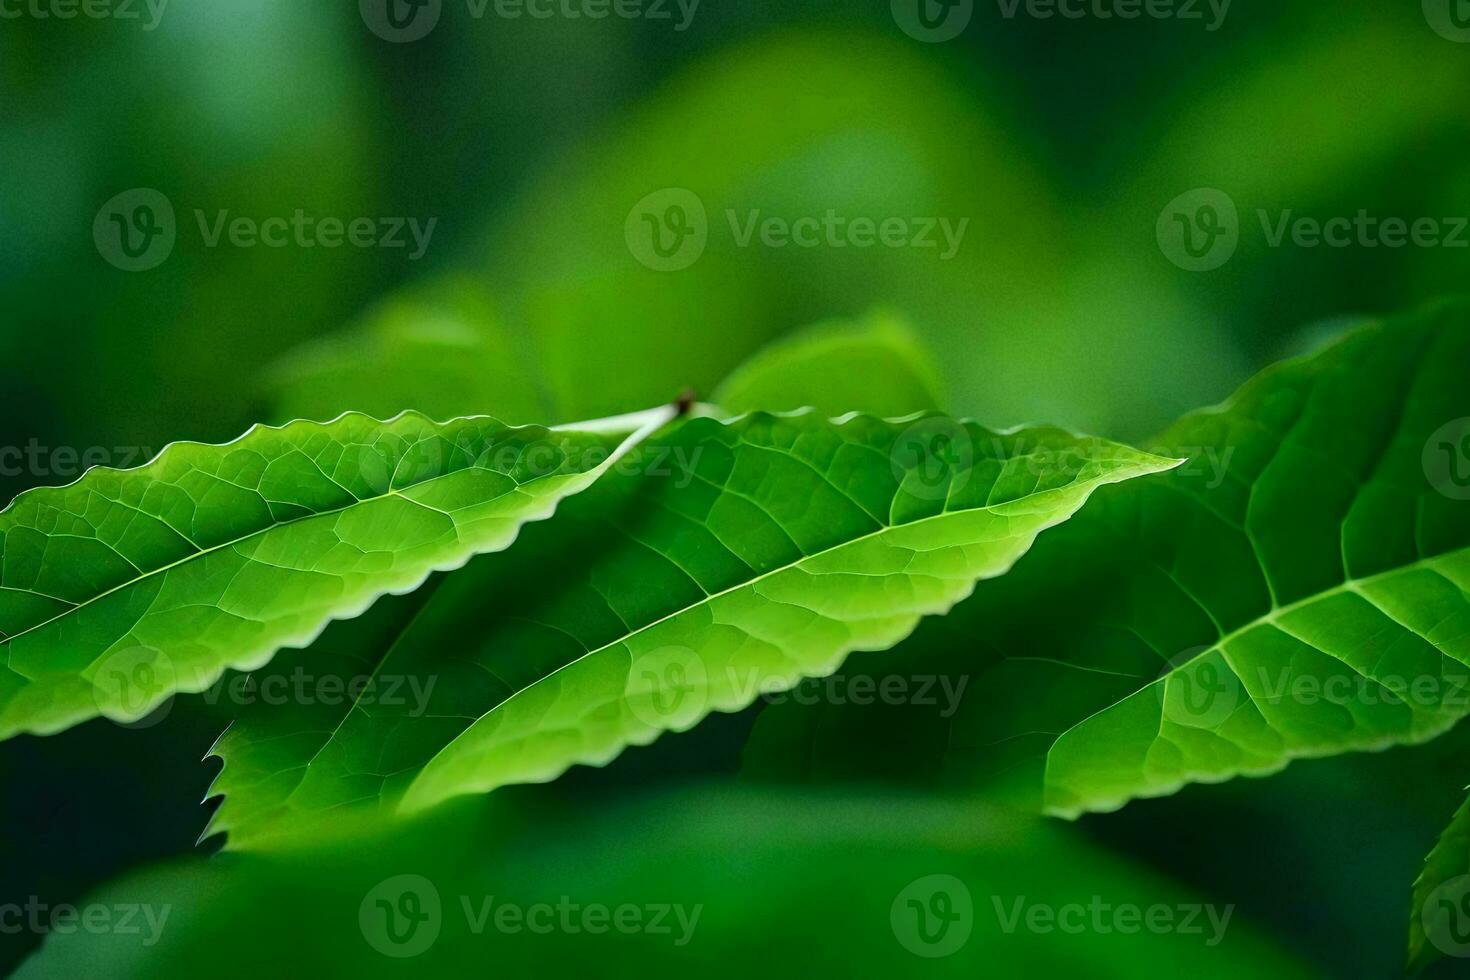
(530,140)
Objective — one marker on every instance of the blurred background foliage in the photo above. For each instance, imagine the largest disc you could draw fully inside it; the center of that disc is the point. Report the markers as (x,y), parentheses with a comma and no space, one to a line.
(530,141)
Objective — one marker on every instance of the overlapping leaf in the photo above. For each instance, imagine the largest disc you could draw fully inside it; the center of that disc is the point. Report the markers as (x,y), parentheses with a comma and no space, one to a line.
(1299,588)
(1439,920)
(439,348)
(130,585)
(875,365)
(744,557)
(686,866)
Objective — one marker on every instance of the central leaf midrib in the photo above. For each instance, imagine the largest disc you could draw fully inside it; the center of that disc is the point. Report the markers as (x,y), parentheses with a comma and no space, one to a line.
(884,529)
(1269,618)
(201,552)
(1411,366)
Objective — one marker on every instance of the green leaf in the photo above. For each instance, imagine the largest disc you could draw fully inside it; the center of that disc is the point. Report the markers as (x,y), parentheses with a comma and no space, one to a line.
(514,880)
(1439,920)
(745,556)
(130,585)
(439,348)
(869,127)
(876,365)
(1297,589)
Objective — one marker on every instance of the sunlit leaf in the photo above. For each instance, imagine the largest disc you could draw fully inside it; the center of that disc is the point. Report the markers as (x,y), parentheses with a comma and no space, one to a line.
(130,585)
(743,557)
